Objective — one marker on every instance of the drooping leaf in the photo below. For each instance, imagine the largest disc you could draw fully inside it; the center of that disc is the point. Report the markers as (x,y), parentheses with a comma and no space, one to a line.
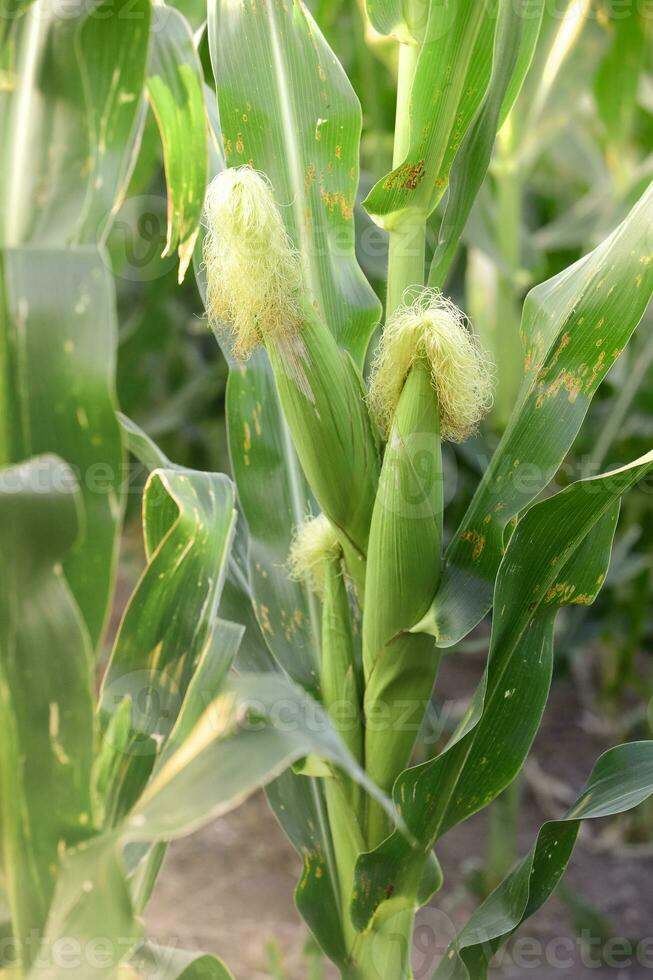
(188,520)
(176,94)
(574,327)
(167,963)
(451,76)
(57,367)
(558,555)
(46,721)
(251,733)
(236,604)
(621,779)
(300,807)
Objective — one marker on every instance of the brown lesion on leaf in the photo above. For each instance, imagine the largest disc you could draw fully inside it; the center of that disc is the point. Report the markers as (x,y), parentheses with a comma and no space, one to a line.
(290,624)
(546,369)
(478,540)
(337,199)
(561,593)
(597,370)
(256,418)
(568,381)
(240,146)
(310,175)
(264,619)
(407,177)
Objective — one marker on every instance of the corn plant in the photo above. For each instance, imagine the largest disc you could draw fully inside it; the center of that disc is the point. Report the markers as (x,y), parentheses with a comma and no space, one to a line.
(339,474)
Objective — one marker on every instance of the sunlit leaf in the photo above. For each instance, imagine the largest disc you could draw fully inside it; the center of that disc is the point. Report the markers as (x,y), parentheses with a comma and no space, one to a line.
(175,90)
(58,336)
(574,327)
(46,721)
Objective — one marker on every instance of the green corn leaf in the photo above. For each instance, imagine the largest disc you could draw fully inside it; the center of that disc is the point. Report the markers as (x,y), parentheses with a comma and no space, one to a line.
(188,522)
(293,114)
(558,555)
(255,729)
(514,45)
(166,963)
(300,807)
(621,779)
(274,498)
(452,74)
(93,929)
(574,327)
(236,601)
(71,112)
(57,366)
(176,94)
(91,917)
(390,17)
(46,722)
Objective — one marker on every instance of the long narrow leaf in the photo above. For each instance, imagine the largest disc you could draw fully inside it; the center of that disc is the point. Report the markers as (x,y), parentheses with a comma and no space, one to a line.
(574,327)
(558,555)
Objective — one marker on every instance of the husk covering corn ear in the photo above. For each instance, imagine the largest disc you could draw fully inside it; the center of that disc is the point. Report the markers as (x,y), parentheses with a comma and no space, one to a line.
(418,394)
(254,282)
(402,575)
(316,556)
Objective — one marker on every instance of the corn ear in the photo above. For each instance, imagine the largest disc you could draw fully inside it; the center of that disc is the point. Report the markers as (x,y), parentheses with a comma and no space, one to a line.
(322,398)
(402,576)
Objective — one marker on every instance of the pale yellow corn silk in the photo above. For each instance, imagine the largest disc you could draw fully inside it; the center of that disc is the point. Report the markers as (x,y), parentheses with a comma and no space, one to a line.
(253,272)
(313,545)
(430,326)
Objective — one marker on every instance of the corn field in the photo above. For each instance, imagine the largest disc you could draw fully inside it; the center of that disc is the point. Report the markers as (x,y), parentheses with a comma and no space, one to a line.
(336,316)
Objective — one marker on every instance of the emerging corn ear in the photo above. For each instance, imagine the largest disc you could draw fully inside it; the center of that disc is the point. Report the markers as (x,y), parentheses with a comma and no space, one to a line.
(429,382)
(254,281)
(317,557)
(433,329)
